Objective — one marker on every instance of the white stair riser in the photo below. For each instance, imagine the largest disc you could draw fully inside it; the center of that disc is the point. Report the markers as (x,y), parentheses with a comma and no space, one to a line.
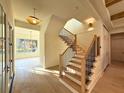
(77,60)
(73,79)
(73,71)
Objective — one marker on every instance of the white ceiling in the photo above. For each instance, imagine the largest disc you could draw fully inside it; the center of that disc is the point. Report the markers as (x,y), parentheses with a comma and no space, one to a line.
(115,9)
(118,23)
(63,8)
(100,7)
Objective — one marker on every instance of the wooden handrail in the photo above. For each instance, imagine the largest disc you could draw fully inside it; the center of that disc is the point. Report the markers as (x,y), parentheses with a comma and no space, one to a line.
(83,67)
(84,32)
(65,51)
(94,39)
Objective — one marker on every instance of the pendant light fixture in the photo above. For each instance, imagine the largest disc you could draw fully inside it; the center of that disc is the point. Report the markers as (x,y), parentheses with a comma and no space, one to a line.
(32,19)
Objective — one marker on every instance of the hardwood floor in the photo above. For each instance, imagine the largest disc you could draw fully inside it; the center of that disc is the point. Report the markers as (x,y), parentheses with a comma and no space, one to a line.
(112,80)
(31,78)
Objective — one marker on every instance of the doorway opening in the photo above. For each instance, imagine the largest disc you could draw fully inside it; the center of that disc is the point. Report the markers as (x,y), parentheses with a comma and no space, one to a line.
(117,47)
(27,49)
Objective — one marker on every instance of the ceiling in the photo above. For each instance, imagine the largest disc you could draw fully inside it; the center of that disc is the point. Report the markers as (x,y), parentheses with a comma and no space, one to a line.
(116,11)
(65,9)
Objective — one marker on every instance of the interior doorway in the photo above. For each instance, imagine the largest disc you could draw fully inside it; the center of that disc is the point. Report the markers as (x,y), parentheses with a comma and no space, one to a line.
(117,47)
(27,51)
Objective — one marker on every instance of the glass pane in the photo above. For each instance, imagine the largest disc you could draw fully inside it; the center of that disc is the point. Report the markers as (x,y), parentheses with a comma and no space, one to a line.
(3,50)
(0,50)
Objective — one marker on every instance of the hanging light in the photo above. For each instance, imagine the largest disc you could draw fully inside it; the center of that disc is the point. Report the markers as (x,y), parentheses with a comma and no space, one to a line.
(32,19)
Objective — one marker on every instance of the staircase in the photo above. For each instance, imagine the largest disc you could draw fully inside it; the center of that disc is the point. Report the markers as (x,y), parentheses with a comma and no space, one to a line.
(77,73)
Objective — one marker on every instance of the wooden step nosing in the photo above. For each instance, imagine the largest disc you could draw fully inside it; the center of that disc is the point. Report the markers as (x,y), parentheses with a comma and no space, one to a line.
(77,72)
(79,55)
(75,62)
(77,69)
(79,58)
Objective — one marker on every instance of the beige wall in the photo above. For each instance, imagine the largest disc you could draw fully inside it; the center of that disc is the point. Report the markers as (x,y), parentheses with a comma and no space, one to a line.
(53,44)
(85,37)
(44,27)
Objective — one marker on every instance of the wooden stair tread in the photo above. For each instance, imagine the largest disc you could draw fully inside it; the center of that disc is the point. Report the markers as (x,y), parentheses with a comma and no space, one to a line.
(80,53)
(75,62)
(77,77)
(73,67)
(78,57)
(72,84)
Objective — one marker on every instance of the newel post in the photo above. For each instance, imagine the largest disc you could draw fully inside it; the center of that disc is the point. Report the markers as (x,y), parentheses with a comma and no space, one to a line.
(60,65)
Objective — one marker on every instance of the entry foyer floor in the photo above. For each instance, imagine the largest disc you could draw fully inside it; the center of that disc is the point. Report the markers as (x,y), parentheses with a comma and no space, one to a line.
(31,78)
(112,80)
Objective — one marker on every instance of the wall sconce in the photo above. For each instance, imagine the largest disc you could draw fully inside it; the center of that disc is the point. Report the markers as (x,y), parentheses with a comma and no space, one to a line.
(90,22)
(90,27)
